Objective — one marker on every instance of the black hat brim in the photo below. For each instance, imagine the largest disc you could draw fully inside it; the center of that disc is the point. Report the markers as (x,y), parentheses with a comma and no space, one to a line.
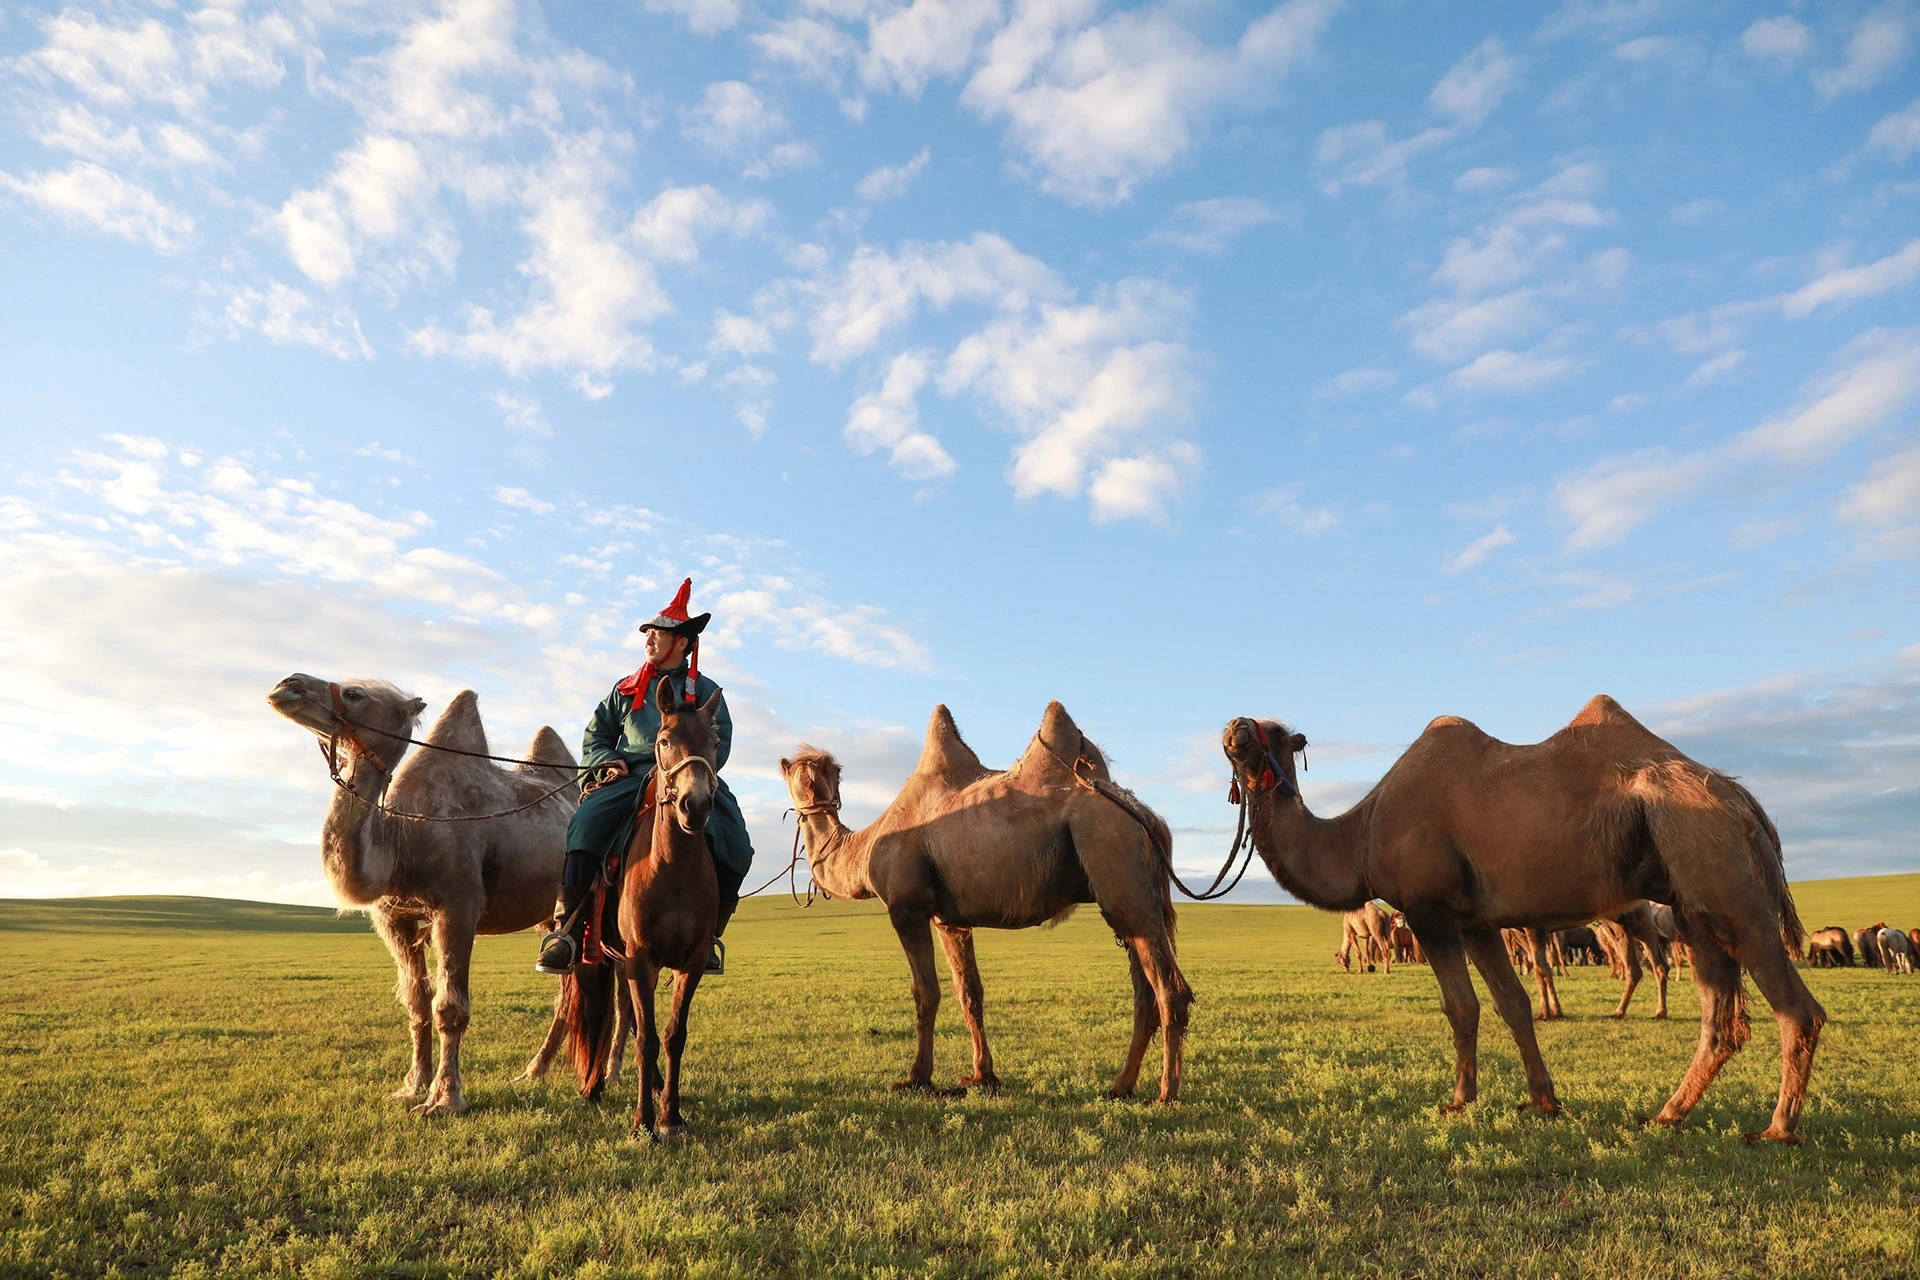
(691,627)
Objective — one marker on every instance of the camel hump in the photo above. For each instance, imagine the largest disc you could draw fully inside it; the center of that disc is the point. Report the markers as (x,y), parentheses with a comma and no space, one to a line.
(945,752)
(548,748)
(1060,733)
(459,725)
(1448,722)
(1601,709)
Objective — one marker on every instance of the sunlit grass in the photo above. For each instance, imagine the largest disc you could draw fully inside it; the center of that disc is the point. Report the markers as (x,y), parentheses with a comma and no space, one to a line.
(200,1089)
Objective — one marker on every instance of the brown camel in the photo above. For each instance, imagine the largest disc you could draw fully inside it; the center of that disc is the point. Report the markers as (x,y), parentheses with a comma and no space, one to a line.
(1623,938)
(965,847)
(663,918)
(1369,928)
(1406,947)
(1469,835)
(1829,948)
(1896,951)
(442,882)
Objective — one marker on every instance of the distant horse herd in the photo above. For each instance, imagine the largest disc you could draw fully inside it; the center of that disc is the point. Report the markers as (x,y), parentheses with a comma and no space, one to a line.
(1602,842)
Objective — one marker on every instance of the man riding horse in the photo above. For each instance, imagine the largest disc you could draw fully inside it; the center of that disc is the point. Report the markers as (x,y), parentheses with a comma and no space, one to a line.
(618,749)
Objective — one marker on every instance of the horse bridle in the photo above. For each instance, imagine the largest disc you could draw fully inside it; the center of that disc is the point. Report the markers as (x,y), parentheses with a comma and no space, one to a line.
(668,772)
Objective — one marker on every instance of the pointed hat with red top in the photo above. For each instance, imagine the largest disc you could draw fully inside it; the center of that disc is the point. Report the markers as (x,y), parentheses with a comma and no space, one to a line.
(674,617)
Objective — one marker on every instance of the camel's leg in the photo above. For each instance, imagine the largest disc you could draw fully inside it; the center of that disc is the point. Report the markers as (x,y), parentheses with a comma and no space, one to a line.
(1723,1020)
(1542,965)
(452,1010)
(1146,1020)
(916,939)
(1510,999)
(542,1060)
(675,1036)
(1800,1018)
(1385,947)
(1641,929)
(1440,935)
(622,1032)
(408,943)
(644,977)
(1629,955)
(1172,997)
(965,968)
(1346,947)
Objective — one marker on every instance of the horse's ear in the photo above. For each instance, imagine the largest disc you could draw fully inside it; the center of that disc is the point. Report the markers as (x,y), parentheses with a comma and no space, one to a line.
(711,707)
(1299,742)
(416,706)
(663,696)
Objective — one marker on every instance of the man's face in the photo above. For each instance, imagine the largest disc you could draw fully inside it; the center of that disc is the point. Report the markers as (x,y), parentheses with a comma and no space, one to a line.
(665,649)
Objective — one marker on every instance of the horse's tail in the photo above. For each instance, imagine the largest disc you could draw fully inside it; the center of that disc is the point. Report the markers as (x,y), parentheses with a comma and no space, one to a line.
(587,1003)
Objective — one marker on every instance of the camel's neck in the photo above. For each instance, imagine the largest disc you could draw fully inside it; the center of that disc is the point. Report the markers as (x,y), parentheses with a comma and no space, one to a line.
(837,857)
(356,843)
(1318,860)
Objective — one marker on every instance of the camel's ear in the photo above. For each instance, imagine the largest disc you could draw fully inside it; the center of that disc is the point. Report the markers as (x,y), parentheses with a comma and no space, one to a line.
(1299,742)
(416,706)
(663,696)
(786,766)
(710,706)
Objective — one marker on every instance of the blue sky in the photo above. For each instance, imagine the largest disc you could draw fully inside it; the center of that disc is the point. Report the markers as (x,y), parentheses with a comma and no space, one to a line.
(1348,363)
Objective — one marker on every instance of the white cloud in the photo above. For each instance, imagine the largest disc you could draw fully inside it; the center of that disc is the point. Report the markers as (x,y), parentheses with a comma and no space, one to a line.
(86,195)
(912,43)
(1485,178)
(1889,495)
(669,227)
(733,121)
(1475,553)
(1717,368)
(1086,386)
(1781,39)
(1453,329)
(1357,382)
(1284,505)
(878,292)
(890,182)
(813,49)
(1095,110)
(521,500)
(1359,155)
(1525,236)
(287,316)
(148,62)
(1897,136)
(1694,211)
(889,418)
(1470,91)
(522,414)
(740,335)
(704,17)
(589,292)
(1610,500)
(379,190)
(1879,45)
(1850,284)
(1881,379)
(1207,226)
(1504,370)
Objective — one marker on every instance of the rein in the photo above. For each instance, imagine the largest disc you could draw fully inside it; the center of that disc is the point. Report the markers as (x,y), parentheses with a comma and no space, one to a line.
(344,732)
(791,870)
(1207,894)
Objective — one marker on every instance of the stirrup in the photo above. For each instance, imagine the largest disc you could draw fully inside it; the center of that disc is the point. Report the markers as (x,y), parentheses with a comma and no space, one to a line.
(558,955)
(716,959)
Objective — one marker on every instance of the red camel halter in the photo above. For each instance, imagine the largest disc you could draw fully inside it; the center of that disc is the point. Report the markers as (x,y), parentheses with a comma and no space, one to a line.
(1271,774)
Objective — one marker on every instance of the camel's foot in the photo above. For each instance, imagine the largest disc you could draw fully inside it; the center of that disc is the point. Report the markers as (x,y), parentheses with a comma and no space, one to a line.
(443,1102)
(536,1070)
(1618,1013)
(1663,1122)
(1773,1133)
(989,1082)
(409,1091)
(1659,1015)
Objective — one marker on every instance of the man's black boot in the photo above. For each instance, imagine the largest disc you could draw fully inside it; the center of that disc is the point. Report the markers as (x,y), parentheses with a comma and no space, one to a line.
(561,950)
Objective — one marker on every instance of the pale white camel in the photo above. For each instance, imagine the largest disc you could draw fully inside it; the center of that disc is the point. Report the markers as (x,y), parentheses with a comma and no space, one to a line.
(434,881)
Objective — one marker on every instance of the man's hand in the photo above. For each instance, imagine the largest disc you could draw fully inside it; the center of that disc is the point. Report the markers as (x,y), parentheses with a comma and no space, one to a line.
(608,772)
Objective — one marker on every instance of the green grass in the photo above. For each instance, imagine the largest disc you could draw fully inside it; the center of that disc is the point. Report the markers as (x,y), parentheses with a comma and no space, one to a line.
(199,1088)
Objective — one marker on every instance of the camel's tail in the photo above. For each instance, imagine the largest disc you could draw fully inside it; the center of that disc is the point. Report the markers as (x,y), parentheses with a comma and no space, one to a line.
(1687,806)
(587,1002)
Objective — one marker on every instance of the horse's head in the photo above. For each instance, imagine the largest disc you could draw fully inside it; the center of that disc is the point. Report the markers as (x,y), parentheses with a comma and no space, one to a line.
(1260,754)
(813,780)
(371,718)
(683,758)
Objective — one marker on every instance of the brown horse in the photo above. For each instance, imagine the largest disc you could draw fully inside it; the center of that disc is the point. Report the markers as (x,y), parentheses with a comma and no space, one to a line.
(668,905)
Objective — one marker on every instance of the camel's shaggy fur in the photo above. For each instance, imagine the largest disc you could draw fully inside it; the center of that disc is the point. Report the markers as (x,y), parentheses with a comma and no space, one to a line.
(965,847)
(1468,835)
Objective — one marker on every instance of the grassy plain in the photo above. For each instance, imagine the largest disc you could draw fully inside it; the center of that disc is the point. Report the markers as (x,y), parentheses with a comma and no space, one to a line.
(197,1089)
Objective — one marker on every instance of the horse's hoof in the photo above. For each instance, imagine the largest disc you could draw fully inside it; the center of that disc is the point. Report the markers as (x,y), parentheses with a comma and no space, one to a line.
(1770,1135)
(638,1136)
(1167,1100)
(990,1084)
(1452,1108)
(1548,1107)
(671,1132)
(911,1085)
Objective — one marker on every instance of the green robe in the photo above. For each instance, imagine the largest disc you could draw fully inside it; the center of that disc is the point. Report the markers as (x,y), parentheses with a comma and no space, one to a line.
(624,728)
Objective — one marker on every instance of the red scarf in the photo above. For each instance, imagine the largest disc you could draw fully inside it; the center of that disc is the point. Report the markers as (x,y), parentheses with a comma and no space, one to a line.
(636,685)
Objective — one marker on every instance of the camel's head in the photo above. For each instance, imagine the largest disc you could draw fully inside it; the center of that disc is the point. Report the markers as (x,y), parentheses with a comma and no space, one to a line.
(380,716)
(813,780)
(1260,754)
(683,755)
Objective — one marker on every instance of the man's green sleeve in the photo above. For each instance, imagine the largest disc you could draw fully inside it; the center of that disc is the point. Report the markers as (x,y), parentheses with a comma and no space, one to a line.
(602,739)
(723,730)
